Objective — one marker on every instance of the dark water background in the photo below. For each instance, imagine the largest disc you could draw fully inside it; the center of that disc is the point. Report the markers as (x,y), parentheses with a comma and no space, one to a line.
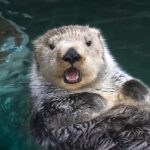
(124,23)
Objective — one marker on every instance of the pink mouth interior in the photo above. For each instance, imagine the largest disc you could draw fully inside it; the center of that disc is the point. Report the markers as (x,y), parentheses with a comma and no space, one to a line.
(72,75)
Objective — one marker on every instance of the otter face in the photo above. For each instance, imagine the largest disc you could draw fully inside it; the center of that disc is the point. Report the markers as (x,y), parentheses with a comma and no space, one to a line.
(70,57)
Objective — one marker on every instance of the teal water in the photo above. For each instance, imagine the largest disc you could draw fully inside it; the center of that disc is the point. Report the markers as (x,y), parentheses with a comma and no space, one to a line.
(125,25)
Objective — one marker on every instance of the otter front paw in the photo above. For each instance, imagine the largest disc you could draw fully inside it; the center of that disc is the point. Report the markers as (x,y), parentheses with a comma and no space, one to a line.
(135,90)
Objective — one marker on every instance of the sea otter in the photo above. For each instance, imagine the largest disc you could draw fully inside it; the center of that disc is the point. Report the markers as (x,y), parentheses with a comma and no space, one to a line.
(78,90)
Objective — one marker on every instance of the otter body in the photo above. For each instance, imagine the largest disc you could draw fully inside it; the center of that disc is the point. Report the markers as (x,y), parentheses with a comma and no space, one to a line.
(75,83)
(120,128)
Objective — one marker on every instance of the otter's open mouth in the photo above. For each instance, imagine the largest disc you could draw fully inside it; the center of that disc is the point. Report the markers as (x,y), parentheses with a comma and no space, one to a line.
(72,75)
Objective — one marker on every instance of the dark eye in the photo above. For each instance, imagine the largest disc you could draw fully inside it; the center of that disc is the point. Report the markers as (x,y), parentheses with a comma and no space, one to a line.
(88,43)
(51,46)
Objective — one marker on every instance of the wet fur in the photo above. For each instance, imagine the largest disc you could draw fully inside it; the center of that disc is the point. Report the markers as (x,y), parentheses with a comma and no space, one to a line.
(102,112)
(120,128)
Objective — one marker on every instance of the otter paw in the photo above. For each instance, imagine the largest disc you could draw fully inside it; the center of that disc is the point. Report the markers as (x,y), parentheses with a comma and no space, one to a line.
(135,90)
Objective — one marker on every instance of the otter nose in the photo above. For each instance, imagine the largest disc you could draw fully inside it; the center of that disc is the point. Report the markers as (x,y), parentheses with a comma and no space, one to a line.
(71,56)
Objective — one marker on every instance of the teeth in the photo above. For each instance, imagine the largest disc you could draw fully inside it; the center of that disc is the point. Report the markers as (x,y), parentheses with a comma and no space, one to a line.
(71,75)
(72,78)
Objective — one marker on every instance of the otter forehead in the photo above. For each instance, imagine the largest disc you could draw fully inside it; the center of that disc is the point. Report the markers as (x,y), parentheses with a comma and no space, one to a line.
(71,33)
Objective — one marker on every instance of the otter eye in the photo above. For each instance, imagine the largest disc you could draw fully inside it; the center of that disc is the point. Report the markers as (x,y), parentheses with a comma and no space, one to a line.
(51,46)
(88,43)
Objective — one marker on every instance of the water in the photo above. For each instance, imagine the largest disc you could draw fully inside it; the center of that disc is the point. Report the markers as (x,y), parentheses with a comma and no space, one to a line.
(125,24)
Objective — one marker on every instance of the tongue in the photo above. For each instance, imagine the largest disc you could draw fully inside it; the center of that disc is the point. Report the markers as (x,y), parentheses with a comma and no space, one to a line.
(72,75)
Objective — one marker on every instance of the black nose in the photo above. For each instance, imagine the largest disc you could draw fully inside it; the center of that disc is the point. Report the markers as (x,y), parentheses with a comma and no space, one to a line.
(71,56)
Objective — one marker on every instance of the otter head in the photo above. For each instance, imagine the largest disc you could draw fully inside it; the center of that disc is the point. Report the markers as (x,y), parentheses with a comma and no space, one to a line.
(70,57)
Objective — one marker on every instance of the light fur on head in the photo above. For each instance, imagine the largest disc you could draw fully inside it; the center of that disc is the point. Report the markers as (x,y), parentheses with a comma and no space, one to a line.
(50,62)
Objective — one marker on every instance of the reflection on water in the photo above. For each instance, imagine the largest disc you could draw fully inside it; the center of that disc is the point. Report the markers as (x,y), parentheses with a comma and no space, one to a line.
(14,62)
(125,24)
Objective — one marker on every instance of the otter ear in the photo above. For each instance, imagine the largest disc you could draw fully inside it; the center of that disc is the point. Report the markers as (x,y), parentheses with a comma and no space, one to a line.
(37,44)
(97,31)
(37,50)
(100,36)
(34,43)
